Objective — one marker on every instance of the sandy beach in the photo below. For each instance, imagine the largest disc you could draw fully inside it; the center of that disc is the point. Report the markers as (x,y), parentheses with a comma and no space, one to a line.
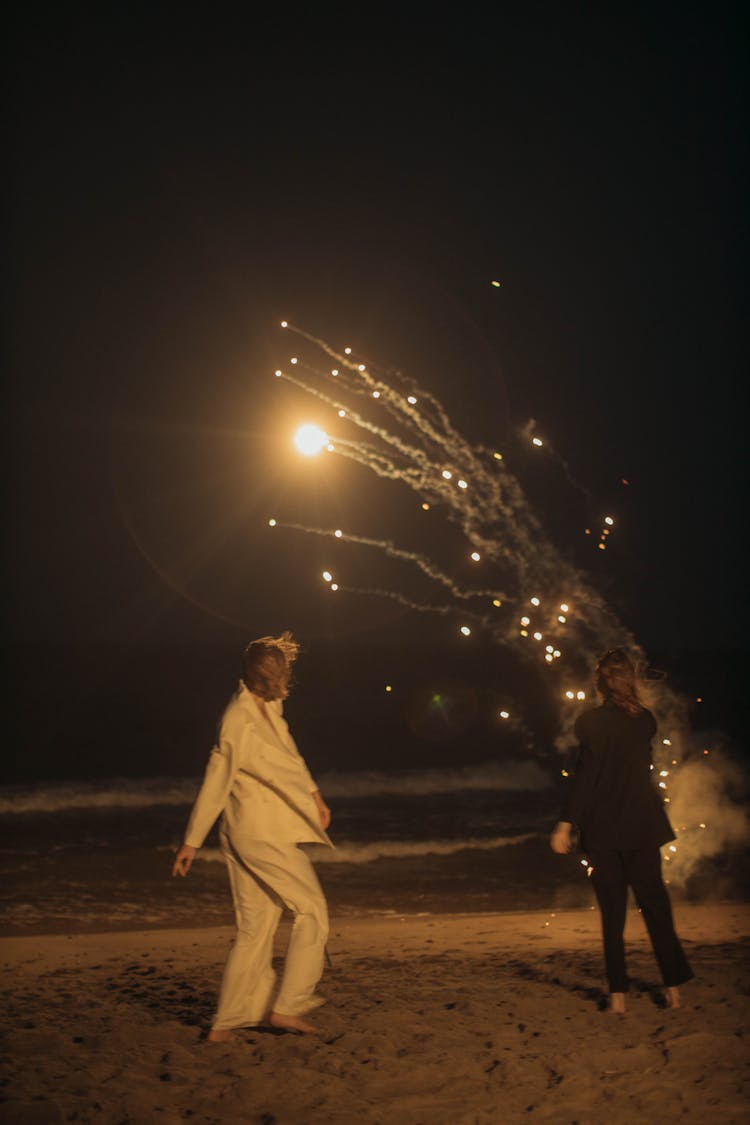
(470,1018)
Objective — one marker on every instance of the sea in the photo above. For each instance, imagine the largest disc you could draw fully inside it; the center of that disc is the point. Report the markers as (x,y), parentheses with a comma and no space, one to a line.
(448,818)
(96,855)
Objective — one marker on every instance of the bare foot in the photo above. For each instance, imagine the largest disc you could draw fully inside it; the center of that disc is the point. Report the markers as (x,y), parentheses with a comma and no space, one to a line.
(221,1035)
(617,1003)
(672,997)
(292,1023)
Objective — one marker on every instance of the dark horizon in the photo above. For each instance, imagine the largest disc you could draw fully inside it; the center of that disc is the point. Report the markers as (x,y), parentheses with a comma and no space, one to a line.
(167,699)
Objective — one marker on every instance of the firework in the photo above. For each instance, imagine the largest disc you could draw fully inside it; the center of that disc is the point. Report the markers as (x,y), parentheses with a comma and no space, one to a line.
(532,599)
(401,432)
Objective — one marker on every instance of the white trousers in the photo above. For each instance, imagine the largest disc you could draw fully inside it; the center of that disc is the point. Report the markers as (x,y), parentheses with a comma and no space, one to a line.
(265,878)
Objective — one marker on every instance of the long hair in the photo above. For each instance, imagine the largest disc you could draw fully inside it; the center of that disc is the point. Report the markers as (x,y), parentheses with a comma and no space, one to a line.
(264,659)
(617,681)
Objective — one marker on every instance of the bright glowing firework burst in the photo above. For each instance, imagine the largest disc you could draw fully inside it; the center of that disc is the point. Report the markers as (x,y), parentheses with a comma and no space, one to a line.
(534,594)
(534,600)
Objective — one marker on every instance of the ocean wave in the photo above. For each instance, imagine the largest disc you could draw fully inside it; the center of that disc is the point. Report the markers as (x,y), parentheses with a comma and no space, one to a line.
(351,852)
(126,793)
(135,793)
(508,776)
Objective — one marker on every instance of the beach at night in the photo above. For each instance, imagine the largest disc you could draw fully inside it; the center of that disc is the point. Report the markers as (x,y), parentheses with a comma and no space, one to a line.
(372,490)
(464,980)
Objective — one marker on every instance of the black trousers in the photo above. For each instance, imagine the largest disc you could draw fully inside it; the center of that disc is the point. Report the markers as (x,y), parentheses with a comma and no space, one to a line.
(615,871)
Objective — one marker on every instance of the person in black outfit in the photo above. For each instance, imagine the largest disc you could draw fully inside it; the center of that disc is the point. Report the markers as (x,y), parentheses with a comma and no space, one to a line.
(615,805)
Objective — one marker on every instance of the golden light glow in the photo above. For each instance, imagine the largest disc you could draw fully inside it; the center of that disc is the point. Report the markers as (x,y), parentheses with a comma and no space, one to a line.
(285,324)
(525,621)
(426,507)
(272,523)
(580,695)
(537,441)
(447,474)
(498,456)
(496,602)
(338,533)
(327,576)
(462,484)
(310,439)
(505,714)
(466,630)
(534,601)
(564,607)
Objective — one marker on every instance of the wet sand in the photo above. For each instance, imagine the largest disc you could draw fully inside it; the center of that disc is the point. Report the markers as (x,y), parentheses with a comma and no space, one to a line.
(434,1018)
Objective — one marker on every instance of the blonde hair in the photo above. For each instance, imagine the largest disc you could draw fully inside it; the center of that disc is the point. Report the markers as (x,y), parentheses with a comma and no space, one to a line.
(264,659)
(617,681)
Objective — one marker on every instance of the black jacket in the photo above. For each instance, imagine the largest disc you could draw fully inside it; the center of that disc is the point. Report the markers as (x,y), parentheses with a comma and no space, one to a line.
(613,798)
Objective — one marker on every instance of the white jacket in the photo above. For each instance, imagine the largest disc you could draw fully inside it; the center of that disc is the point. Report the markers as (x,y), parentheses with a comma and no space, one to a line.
(257,778)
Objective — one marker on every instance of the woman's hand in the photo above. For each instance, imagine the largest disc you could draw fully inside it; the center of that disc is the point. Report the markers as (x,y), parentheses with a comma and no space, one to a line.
(560,841)
(323,811)
(183,860)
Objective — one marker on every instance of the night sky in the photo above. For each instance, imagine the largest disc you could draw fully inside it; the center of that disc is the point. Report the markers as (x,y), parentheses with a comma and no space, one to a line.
(176,188)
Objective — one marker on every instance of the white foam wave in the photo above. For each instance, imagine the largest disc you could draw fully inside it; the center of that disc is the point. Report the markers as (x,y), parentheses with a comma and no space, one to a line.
(111,793)
(350,852)
(509,776)
(135,793)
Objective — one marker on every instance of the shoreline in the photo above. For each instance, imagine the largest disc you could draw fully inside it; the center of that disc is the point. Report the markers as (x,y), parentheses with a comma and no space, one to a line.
(348,915)
(694,921)
(351,916)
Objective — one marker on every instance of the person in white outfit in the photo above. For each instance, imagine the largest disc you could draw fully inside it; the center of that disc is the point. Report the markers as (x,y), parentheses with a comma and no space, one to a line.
(258,782)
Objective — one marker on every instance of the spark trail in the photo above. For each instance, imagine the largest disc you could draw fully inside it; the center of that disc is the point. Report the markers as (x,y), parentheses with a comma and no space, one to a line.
(415,443)
(537,603)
